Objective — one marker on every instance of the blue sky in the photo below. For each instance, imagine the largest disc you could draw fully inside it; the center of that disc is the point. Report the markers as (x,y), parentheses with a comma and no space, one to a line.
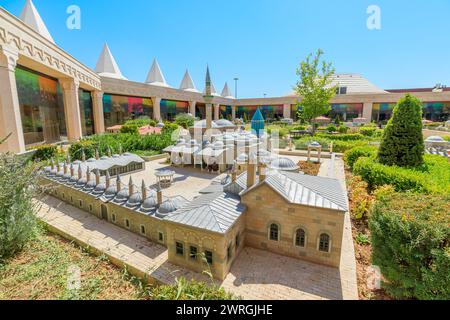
(260,41)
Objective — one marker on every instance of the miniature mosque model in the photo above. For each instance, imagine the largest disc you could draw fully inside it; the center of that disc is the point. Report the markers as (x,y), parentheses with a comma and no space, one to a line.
(264,202)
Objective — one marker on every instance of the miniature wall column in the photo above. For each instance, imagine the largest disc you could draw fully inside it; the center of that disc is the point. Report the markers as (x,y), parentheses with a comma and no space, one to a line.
(156,108)
(99,120)
(192,105)
(10,119)
(367,111)
(208,107)
(70,88)
(216,111)
(233,112)
(287,111)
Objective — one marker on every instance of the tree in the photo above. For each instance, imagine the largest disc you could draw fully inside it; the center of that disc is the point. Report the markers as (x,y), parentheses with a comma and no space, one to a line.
(18,186)
(315,87)
(402,143)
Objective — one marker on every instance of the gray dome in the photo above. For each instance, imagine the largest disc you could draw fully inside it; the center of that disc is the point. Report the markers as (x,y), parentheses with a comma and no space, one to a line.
(160,125)
(224,123)
(202,124)
(81,183)
(90,185)
(91,160)
(99,189)
(149,204)
(242,158)
(110,192)
(166,207)
(60,174)
(72,180)
(283,164)
(122,196)
(435,139)
(66,177)
(104,158)
(134,200)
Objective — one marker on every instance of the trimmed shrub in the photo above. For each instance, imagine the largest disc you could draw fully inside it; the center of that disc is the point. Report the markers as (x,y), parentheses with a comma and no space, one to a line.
(45,152)
(352,155)
(433,177)
(342,137)
(169,127)
(343,129)
(343,146)
(402,143)
(130,128)
(411,244)
(142,122)
(184,120)
(331,128)
(361,201)
(282,131)
(18,186)
(368,131)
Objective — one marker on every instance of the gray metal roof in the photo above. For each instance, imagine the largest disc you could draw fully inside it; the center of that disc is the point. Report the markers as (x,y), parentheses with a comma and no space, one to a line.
(299,188)
(215,212)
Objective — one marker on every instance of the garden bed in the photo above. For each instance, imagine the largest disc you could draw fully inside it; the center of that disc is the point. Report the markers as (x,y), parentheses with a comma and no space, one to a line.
(309,167)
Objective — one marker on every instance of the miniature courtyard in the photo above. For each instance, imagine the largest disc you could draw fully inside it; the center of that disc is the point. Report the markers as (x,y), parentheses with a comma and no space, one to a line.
(255,274)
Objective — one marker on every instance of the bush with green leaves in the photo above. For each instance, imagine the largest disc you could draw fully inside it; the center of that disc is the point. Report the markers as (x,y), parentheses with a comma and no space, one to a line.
(343,129)
(18,186)
(130,128)
(283,131)
(342,137)
(142,122)
(331,128)
(185,120)
(402,143)
(432,177)
(352,155)
(45,152)
(368,131)
(190,290)
(411,244)
(169,127)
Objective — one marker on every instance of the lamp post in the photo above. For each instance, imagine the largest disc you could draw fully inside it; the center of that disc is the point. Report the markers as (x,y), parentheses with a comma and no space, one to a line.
(236,87)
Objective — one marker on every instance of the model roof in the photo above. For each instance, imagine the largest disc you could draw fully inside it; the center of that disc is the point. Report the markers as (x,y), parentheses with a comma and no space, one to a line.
(31,17)
(215,212)
(187,84)
(107,65)
(155,76)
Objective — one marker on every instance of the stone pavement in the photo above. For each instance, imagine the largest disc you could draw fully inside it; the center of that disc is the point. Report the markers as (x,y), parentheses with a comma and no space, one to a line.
(255,274)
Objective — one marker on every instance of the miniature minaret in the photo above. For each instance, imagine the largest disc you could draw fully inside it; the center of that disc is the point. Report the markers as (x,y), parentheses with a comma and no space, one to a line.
(109,152)
(68,158)
(108,179)
(58,166)
(80,173)
(144,190)
(130,187)
(65,168)
(118,184)
(97,177)
(208,100)
(159,196)
(72,170)
(97,154)
(52,164)
(83,156)
(88,174)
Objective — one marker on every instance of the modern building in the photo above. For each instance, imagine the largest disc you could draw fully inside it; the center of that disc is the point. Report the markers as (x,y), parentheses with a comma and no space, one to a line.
(47,96)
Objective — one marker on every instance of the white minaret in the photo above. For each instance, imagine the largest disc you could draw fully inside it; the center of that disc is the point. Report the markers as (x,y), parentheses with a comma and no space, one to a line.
(155,76)
(107,65)
(31,17)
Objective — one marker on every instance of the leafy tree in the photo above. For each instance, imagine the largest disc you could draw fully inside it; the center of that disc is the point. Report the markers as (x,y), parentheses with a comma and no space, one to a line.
(315,87)
(402,143)
(18,186)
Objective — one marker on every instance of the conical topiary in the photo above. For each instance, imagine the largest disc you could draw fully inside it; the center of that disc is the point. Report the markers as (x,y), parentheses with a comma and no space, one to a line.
(402,143)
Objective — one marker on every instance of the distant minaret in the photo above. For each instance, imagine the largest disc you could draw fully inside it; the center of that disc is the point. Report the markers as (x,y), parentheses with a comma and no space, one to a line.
(208,99)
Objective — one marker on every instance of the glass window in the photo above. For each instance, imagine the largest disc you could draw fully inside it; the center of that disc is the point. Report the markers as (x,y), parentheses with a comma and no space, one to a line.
(324,243)
(193,253)
(179,249)
(300,238)
(274,232)
(41,107)
(119,109)
(346,112)
(86,112)
(170,109)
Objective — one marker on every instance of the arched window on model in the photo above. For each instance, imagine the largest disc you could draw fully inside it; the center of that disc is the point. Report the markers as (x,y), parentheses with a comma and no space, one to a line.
(324,242)
(274,232)
(300,238)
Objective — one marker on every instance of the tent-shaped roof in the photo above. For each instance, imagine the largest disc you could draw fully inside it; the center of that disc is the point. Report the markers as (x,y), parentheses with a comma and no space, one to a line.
(107,66)
(155,76)
(187,84)
(31,17)
(258,122)
(226,92)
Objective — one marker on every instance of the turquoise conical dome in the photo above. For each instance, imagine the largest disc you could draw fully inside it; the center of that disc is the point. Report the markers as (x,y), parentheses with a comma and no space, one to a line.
(258,122)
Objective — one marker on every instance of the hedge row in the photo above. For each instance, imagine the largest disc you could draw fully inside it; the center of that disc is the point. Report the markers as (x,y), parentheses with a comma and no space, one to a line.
(411,244)
(433,177)
(352,155)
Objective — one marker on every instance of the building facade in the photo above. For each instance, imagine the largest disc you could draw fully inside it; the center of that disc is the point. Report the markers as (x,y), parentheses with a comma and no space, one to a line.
(48,96)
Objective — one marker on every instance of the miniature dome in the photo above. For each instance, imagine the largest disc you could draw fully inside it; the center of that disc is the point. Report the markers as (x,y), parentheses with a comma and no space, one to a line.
(435,139)
(60,174)
(116,156)
(91,160)
(111,192)
(104,158)
(160,125)
(314,144)
(72,180)
(99,189)
(127,154)
(283,164)
(202,124)
(122,195)
(218,145)
(149,204)
(90,186)
(134,200)
(66,177)
(76,162)
(242,158)
(166,207)
(224,123)
(81,183)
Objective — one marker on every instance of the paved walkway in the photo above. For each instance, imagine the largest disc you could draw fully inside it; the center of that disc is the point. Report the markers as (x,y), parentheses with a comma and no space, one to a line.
(255,274)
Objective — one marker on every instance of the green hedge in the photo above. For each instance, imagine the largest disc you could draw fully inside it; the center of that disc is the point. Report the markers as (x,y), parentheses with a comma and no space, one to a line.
(342,137)
(45,152)
(433,177)
(411,244)
(352,155)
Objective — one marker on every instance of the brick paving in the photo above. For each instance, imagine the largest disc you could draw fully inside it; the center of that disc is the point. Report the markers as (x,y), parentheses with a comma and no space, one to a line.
(256,274)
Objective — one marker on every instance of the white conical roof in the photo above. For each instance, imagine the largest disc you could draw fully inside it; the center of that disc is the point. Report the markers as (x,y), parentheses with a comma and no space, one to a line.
(187,84)
(107,66)
(32,18)
(155,76)
(226,92)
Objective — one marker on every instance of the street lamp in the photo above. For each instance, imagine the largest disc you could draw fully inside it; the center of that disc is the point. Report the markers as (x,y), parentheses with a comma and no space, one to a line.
(236,87)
